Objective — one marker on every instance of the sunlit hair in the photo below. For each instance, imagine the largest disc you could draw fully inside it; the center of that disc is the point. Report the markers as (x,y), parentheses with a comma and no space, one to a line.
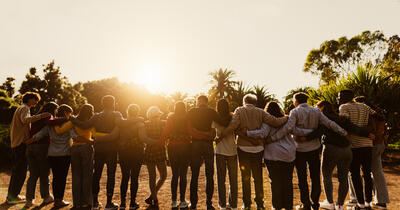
(250,99)
(30,95)
(63,110)
(49,107)
(86,112)
(223,111)
(153,111)
(180,108)
(133,110)
(301,97)
(327,106)
(108,102)
(203,99)
(274,109)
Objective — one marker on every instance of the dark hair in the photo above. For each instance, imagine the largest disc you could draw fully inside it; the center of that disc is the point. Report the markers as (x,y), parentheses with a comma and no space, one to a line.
(274,109)
(328,107)
(345,96)
(108,102)
(86,112)
(250,99)
(223,111)
(301,97)
(30,95)
(360,99)
(63,109)
(203,98)
(179,118)
(49,107)
(133,110)
(180,108)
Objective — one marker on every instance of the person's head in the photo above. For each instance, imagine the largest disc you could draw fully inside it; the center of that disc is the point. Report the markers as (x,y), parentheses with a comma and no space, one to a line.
(30,98)
(345,96)
(86,112)
(202,100)
(325,106)
(50,107)
(360,99)
(180,108)
(154,113)
(299,98)
(133,110)
(274,109)
(223,111)
(64,111)
(108,102)
(250,99)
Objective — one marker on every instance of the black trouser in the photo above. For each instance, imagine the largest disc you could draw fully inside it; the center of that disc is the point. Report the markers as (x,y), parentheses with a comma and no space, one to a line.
(281,176)
(130,160)
(18,172)
(251,165)
(314,166)
(225,163)
(179,157)
(101,158)
(59,167)
(362,158)
(202,150)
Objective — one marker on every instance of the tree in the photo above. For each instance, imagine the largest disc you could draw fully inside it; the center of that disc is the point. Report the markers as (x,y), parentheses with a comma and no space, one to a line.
(263,96)
(239,91)
(222,83)
(9,86)
(288,99)
(335,58)
(391,63)
(178,96)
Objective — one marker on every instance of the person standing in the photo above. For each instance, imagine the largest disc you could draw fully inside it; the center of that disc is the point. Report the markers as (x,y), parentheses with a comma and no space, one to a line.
(226,158)
(38,163)
(176,133)
(308,152)
(105,151)
(200,119)
(250,152)
(19,133)
(155,154)
(359,114)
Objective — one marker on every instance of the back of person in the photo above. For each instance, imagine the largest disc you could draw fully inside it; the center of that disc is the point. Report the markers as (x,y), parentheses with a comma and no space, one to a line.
(358,114)
(202,117)
(251,117)
(281,150)
(105,123)
(179,129)
(333,138)
(129,135)
(307,117)
(36,127)
(154,128)
(60,144)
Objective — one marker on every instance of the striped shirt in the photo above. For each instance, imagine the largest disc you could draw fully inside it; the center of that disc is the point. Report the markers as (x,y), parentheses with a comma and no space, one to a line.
(358,114)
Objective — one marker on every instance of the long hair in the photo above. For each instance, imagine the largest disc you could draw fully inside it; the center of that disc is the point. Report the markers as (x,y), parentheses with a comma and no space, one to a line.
(179,117)
(223,111)
(328,107)
(49,107)
(86,112)
(274,109)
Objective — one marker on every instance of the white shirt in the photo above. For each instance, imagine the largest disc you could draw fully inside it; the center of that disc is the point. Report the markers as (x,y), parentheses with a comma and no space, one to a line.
(227,146)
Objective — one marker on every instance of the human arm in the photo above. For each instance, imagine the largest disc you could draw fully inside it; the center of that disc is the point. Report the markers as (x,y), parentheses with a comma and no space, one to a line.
(331,125)
(272,120)
(143,135)
(56,121)
(103,137)
(64,128)
(84,124)
(261,133)
(26,117)
(287,128)
(39,135)
(233,125)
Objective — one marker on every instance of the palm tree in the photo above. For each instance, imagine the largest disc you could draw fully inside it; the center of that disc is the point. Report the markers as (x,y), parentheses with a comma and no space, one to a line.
(239,91)
(263,96)
(178,96)
(288,99)
(222,83)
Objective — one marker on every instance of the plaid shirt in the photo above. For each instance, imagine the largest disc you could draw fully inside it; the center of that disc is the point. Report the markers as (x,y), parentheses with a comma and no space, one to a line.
(154,152)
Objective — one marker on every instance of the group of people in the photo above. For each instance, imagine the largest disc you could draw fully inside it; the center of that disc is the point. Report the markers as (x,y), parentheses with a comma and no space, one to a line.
(247,139)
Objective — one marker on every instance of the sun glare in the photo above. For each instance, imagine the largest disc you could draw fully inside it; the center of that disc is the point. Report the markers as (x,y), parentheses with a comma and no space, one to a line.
(151,77)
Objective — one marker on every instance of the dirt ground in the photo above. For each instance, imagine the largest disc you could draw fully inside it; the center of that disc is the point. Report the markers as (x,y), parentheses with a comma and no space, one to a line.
(392,175)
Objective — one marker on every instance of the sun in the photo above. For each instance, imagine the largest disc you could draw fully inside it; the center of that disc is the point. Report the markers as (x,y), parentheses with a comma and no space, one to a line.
(150,76)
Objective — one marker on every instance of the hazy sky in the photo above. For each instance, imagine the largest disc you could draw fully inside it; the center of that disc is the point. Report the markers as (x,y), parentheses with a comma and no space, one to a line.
(173,44)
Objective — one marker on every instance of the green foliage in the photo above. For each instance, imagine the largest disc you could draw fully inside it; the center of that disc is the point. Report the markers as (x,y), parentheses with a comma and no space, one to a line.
(222,84)
(5,148)
(288,99)
(239,91)
(9,86)
(7,107)
(263,96)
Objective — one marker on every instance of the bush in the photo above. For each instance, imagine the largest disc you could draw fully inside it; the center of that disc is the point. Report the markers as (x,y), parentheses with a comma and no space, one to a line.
(5,148)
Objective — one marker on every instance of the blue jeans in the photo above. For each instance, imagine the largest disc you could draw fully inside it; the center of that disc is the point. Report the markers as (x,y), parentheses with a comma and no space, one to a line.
(18,172)
(39,167)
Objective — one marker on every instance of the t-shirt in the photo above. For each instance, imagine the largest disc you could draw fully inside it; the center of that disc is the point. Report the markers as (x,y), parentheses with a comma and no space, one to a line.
(227,146)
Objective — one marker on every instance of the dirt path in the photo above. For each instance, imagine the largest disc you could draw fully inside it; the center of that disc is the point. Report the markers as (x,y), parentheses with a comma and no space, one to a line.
(392,176)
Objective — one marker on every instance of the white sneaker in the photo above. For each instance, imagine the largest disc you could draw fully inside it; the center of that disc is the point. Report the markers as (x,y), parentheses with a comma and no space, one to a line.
(351,203)
(18,199)
(174,204)
(48,200)
(222,208)
(338,207)
(327,205)
(28,204)
(183,204)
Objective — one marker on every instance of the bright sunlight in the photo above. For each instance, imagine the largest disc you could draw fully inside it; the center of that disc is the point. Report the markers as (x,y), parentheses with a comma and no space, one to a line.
(150,76)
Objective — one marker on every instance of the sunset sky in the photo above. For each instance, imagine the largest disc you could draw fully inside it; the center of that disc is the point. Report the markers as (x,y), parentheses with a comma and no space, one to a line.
(171,45)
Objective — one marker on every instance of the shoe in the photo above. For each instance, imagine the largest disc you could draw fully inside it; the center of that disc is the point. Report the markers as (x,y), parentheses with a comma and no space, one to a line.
(192,206)
(210,207)
(183,204)
(174,204)
(111,206)
(148,200)
(246,208)
(97,205)
(351,203)
(122,206)
(379,205)
(327,205)
(28,204)
(18,199)
(60,203)
(48,200)
(222,208)
(133,206)
(261,207)
(339,207)
(302,207)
